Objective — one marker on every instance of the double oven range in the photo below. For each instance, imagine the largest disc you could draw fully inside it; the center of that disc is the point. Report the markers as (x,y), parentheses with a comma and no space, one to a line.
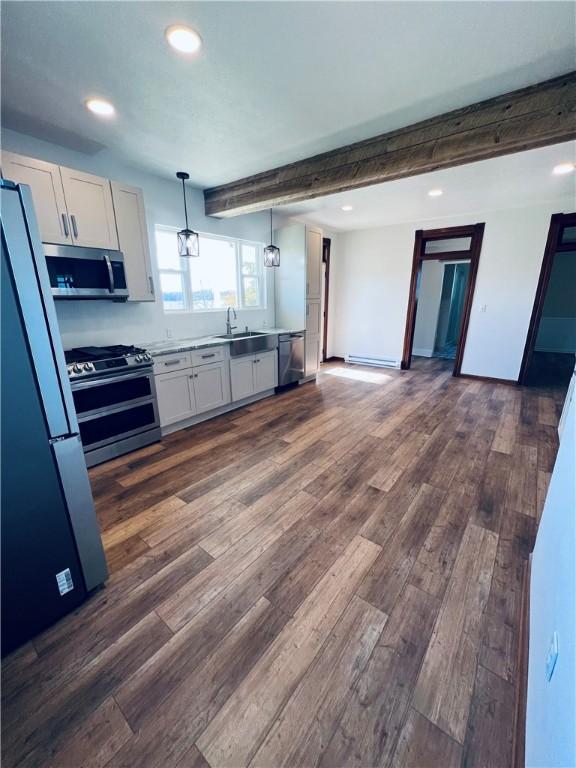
(115,398)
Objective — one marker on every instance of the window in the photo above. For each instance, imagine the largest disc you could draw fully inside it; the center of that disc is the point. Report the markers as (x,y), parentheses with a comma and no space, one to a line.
(228,273)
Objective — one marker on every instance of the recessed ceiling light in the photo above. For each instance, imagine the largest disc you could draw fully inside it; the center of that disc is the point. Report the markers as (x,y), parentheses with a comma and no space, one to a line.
(347,208)
(435,193)
(100,107)
(563,168)
(184,39)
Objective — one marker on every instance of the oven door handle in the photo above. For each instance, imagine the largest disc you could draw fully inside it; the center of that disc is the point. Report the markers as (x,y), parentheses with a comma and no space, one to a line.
(141,374)
(127,405)
(110,273)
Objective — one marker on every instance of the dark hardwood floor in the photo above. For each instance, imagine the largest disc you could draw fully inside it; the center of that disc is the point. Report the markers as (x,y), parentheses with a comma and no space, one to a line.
(328,577)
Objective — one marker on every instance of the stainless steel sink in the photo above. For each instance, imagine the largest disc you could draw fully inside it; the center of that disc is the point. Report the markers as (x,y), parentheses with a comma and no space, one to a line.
(247,343)
(240,335)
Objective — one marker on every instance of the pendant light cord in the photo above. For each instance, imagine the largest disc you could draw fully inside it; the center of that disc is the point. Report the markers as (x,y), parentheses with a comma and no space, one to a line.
(185,208)
(271,230)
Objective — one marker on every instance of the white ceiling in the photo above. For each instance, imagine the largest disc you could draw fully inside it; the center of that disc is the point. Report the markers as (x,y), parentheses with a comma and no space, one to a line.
(512,181)
(275,82)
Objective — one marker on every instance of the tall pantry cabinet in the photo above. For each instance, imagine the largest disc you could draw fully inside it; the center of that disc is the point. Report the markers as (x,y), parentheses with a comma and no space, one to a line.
(298,284)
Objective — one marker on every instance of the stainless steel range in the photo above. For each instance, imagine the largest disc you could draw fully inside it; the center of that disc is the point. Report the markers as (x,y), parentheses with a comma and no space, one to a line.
(115,398)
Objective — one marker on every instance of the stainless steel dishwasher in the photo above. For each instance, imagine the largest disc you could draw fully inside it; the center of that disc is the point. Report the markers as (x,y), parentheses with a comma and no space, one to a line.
(290,357)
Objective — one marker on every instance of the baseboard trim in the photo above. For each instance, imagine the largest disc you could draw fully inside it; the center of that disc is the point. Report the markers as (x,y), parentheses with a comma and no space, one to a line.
(489,379)
(521,697)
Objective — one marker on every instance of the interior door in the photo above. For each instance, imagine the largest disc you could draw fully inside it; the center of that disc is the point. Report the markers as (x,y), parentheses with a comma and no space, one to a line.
(47,194)
(133,240)
(210,387)
(89,203)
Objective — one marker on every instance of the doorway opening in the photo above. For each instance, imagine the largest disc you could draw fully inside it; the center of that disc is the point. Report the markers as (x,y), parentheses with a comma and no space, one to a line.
(326,243)
(444,269)
(550,351)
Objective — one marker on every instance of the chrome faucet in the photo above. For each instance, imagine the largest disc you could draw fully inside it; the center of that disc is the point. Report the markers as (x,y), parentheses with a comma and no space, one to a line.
(230,327)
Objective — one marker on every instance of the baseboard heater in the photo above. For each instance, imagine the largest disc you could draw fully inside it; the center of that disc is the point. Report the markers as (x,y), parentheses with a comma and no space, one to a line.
(377,362)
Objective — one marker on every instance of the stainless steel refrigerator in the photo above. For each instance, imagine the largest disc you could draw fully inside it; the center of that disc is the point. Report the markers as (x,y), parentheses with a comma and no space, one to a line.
(52,554)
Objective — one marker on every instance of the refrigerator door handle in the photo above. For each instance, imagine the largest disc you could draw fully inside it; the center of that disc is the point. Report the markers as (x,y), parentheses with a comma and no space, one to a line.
(71,464)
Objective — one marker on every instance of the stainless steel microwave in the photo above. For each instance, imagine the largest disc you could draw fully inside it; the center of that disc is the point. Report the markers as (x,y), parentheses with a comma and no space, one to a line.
(85,273)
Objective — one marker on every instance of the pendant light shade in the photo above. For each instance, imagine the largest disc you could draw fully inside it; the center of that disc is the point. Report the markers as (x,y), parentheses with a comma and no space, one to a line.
(271,252)
(188,240)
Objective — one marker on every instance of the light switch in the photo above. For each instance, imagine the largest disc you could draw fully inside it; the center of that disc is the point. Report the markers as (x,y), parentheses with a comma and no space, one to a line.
(552,656)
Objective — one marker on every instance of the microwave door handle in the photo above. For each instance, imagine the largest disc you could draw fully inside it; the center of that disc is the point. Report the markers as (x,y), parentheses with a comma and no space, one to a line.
(110,273)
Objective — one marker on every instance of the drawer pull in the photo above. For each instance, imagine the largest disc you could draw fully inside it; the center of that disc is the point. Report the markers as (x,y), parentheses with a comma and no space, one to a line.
(212,354)
(171,362)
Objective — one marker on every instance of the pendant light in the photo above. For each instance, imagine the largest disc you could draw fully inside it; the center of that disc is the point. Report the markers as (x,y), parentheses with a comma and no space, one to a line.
(188,241)
(271,252)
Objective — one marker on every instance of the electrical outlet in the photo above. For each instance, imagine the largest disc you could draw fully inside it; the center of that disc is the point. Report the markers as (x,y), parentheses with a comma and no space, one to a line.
(168,333)
(552,656)
(483,308)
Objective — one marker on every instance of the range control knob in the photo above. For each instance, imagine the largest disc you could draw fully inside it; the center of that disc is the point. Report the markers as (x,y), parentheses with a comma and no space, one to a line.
(138,358)
(147,357)
(70,370)
(88,367)
(77,368)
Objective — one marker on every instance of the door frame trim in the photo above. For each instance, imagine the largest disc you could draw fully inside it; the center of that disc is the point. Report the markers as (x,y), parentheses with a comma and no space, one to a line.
(476,232)
(326,248)
(558,222)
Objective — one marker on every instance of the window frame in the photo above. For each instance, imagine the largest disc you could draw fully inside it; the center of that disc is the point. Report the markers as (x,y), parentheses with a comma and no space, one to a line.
(185,271)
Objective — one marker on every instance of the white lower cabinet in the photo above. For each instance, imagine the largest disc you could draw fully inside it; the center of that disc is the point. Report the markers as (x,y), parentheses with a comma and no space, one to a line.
(253,374)
(211,388)
(175,393)
(189,391)
(266,371)
(242,377)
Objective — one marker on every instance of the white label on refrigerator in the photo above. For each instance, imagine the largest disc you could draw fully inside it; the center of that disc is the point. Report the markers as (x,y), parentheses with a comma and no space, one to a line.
(64,580)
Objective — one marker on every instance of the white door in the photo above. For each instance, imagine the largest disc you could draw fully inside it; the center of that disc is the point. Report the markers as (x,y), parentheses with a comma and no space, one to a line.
(242,377)
(211,388)
(313,263)
(175,393)
(89,203)
(312,354)
(265,371)
(47,194)
(133,240)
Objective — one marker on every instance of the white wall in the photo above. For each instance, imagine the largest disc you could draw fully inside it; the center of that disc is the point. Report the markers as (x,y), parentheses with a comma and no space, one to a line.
(371,277)
(551,710)
(429,296)
(104,322)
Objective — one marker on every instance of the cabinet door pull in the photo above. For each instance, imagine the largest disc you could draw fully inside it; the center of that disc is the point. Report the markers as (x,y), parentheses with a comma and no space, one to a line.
(74,227)
(65,225)
(212,354)
(151,284)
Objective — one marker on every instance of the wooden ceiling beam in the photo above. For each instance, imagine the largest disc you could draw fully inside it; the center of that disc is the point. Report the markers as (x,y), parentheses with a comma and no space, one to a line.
(532,117)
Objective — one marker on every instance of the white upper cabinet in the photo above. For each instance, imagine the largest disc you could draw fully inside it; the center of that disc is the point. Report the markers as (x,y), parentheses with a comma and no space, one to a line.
(45,183)
(133,240)
(89,203)
(313,263)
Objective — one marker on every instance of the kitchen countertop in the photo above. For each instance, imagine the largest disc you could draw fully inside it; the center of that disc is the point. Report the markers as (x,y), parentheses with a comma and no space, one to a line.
(169,346)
